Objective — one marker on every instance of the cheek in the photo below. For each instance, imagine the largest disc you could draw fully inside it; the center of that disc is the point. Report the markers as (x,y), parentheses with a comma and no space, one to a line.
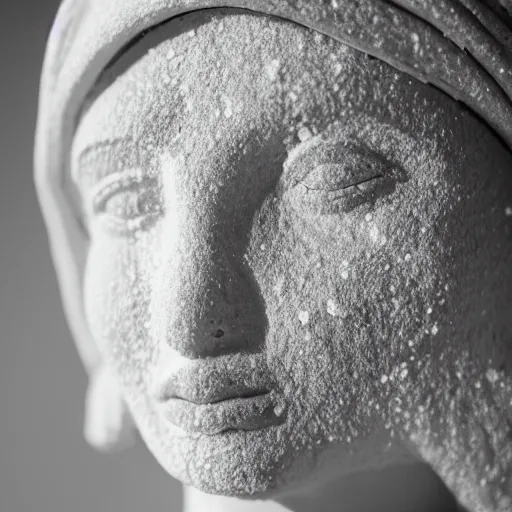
(117,293)
(352,300)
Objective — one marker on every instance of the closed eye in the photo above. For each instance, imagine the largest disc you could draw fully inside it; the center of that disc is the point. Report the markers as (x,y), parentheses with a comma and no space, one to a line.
(338,177)
(127,201)
(342,168)
(347,197)
(346,184)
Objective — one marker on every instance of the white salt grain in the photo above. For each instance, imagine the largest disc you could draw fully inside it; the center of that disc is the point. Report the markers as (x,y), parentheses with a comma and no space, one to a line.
(272,69)
(492,375)
(332,309)
(304,134)
(304,317)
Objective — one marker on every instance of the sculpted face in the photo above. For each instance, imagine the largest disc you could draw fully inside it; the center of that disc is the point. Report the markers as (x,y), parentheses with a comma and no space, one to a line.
(290,249)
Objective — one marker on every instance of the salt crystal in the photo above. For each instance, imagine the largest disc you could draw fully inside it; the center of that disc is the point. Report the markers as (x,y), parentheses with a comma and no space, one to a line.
(416,41)
(304,317)
(272,69)
(492,375)
(374,234)
(435,330)
(332,309)
(384,379)
(293,96)
(508,211)
(304,134)
(279,409)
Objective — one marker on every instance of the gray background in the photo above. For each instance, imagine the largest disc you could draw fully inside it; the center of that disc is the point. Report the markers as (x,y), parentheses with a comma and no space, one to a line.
(45,465)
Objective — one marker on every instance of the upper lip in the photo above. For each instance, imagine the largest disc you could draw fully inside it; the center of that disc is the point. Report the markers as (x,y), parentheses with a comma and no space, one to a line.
(213,380)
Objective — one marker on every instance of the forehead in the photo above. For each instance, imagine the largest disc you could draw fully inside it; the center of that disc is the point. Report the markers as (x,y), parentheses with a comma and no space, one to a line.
(240,74)
(245,62)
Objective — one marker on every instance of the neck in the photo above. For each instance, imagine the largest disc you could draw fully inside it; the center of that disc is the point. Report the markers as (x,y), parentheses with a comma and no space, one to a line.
(196,501)
(400,488)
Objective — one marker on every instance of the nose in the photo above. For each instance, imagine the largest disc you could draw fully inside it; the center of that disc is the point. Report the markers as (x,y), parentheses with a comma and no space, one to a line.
(208,303)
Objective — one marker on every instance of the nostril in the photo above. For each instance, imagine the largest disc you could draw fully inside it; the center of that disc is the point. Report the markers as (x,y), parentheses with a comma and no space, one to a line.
(219,333)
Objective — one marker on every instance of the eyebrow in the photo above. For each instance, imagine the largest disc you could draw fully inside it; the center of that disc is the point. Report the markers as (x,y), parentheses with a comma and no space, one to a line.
(99,160)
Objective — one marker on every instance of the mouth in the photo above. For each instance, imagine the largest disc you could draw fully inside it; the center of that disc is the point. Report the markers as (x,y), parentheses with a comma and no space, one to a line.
(217,395)
(245,413)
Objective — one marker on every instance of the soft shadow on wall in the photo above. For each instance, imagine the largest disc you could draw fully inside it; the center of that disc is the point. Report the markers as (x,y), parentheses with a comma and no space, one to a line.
(45,465)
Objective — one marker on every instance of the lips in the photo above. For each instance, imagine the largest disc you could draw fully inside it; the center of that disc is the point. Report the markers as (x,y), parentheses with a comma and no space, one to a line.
(215,395)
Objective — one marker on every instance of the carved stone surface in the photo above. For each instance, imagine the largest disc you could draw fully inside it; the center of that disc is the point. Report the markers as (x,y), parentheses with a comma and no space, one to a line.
(297,269)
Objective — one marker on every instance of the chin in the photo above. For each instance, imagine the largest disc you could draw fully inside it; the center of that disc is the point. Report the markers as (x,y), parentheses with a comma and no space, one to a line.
(259,464)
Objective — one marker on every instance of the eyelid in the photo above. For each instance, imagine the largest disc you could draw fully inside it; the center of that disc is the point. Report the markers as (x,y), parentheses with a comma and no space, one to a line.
(342,175)
(302,149)
(307,158)
(116,182)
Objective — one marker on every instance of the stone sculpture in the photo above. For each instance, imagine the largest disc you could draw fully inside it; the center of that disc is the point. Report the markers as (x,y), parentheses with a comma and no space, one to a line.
(282,231)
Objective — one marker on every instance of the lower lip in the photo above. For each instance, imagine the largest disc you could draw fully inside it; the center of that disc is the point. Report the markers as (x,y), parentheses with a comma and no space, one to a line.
(253,413)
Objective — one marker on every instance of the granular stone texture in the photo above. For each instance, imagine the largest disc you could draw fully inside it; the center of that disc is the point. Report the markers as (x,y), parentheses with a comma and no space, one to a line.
(299,262)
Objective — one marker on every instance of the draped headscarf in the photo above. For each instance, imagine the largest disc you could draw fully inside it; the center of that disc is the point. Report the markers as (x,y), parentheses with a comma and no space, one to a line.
(463,47)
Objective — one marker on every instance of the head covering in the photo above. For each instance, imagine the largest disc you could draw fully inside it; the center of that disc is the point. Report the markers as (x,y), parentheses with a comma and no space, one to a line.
(463,47)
